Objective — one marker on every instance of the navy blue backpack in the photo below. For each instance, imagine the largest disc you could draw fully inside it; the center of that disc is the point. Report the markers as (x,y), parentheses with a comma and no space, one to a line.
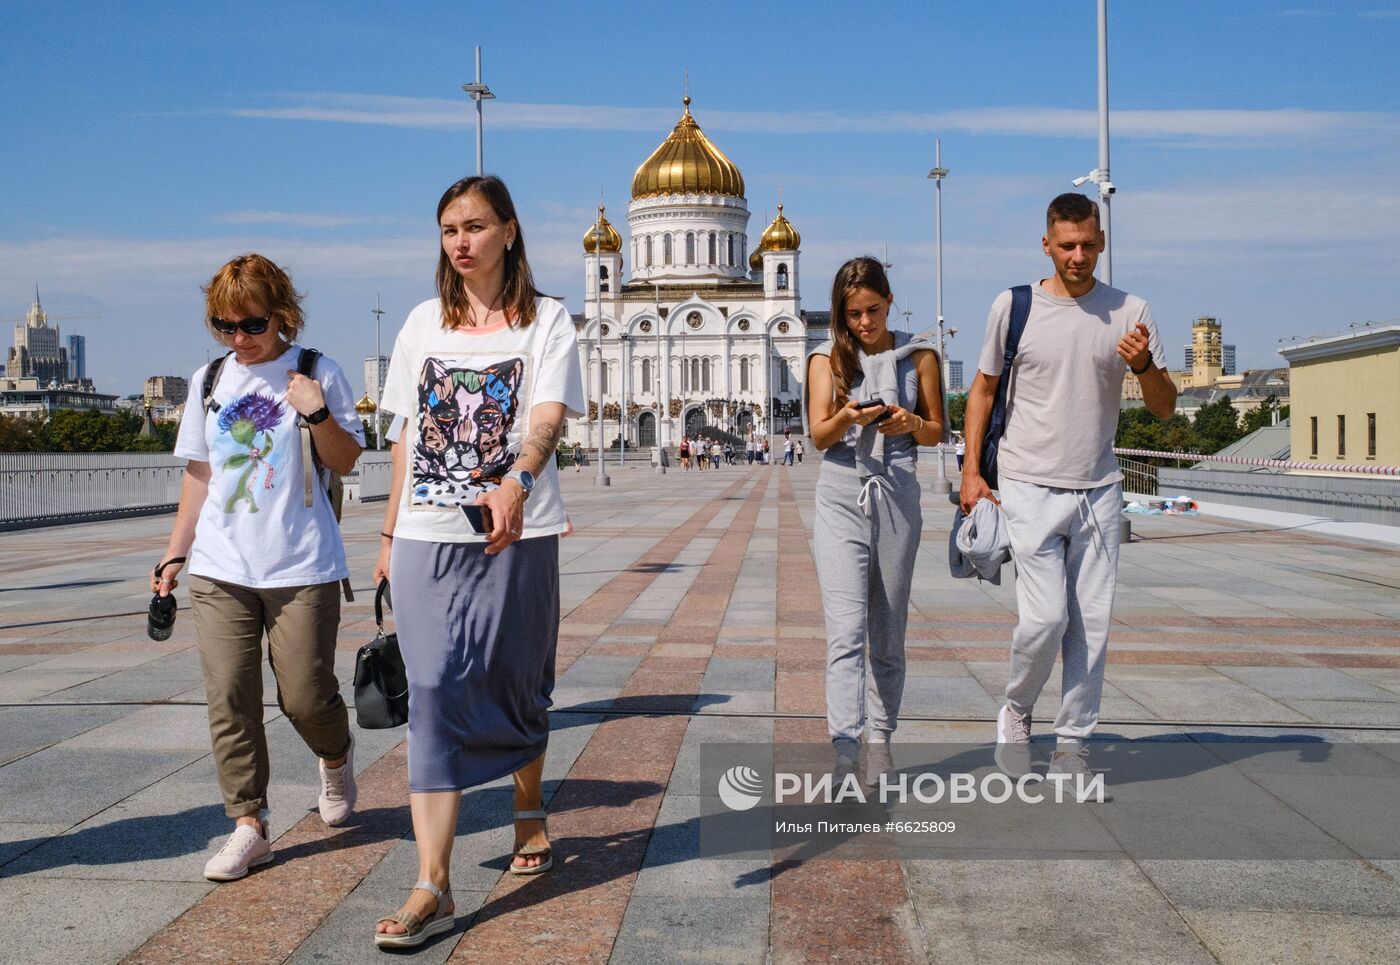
(996,425)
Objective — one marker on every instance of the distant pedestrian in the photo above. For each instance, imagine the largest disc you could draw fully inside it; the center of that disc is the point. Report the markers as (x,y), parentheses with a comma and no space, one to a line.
(959,448)
(716,455)
(265,552)
(749,448)
(1060,484)
(764,454)
(868,519)
(788,451)
(685,453)
(729,453)
(578,456)
(800,450)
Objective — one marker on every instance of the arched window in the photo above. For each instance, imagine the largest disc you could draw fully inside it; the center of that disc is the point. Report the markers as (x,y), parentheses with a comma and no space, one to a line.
(743,250)
(646,375)
(712,249)
(730,242)
(666,249)
(602,277)
(744,374)
(705,376)
(694,374)
(782,375)
(782,278)
(648,251)
(690,247)
(605,380)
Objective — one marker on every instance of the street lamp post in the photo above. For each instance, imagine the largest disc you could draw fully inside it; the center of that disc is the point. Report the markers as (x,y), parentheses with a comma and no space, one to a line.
(602,478)
(663,411)
(378,380)
(1100,174)
(478,92)
(623,339)
(939,172)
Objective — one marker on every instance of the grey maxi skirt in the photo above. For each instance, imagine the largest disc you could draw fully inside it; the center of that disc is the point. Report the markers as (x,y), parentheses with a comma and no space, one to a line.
(478,635)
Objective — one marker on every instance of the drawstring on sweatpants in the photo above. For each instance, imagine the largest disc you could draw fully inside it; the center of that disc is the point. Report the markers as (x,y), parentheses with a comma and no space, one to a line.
(1086,516)
(873,484)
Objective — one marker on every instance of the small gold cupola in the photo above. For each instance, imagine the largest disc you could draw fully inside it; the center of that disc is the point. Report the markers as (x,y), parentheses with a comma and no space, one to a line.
(601,236)
(780,235)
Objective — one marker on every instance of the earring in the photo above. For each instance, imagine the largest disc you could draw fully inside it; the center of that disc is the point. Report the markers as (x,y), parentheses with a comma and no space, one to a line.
(509,245)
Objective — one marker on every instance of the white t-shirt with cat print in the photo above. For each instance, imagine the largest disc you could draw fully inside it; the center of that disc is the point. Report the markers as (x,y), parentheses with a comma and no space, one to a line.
(255,528)
(465,396)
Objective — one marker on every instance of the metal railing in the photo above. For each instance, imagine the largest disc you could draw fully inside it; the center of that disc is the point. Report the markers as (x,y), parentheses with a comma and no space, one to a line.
(41,489)
(1139,478)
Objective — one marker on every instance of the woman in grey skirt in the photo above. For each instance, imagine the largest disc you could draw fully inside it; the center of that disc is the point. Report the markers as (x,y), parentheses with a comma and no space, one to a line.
(483,377)
(874,396)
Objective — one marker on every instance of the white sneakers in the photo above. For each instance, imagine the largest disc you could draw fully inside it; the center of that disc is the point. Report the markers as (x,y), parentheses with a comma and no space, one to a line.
(1013,753)
(245,848)
(338,790)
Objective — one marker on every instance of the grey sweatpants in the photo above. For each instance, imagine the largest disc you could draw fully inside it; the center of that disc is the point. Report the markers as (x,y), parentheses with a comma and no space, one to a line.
(1065,543)
(865,564)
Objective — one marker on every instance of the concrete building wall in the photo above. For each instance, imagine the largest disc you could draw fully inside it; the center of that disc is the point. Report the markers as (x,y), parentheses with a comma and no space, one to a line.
(1347,391)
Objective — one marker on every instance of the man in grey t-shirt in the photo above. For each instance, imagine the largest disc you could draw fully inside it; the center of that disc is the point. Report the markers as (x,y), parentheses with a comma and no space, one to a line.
(1060,486)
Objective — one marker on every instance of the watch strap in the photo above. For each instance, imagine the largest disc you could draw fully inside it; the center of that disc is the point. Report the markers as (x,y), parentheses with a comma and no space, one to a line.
(319,416)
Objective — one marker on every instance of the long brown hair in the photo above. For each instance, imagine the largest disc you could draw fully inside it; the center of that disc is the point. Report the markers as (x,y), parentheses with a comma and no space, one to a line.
(862,272)
(518,296)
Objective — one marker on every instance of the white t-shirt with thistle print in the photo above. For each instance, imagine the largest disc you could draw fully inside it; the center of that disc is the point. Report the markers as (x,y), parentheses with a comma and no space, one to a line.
(255,528)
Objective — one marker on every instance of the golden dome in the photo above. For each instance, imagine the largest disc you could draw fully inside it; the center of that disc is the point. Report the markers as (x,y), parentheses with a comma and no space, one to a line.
(687,163)
(611,240)
(780,235)
(366,406)
(756,260)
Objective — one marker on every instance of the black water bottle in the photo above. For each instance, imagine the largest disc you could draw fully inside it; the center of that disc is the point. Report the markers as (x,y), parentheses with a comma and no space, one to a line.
(160,618)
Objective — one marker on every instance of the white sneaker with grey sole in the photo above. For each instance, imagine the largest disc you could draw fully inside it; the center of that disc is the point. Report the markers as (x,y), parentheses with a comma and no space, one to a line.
(246,848)
(1013,753)
(1072,767)
(338,790)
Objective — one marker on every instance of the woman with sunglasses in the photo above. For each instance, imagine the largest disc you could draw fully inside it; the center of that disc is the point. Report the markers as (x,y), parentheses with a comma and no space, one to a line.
(265,553)
(482,377)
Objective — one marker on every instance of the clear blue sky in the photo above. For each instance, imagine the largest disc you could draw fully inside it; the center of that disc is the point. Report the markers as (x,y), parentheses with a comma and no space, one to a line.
(1254,149)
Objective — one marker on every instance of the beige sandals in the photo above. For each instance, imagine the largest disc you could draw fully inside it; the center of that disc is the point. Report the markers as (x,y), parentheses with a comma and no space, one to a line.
(417,931)
(546,855)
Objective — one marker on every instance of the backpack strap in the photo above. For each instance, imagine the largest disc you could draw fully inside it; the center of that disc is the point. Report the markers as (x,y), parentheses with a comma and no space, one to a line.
(1020,311)
(311,465)
(211,378)
(310,460)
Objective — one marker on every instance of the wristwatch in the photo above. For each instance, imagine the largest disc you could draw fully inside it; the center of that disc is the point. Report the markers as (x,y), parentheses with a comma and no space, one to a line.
(319,416)
(523,476)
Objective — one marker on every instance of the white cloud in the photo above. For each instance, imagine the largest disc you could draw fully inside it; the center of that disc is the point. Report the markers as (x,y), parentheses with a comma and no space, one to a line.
(1221,127)
(290,218)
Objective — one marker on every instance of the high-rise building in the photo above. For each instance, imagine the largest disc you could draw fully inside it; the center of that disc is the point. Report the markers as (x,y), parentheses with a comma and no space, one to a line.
(38,351)
(376,370)
(1229,360)
(77,358)
(955,376)
(173,389)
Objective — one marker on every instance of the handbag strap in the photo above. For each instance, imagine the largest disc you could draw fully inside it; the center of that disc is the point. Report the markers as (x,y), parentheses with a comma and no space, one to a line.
(379,594)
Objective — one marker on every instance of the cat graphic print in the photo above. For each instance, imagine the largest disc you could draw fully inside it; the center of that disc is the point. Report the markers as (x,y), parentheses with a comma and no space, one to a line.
(465,416)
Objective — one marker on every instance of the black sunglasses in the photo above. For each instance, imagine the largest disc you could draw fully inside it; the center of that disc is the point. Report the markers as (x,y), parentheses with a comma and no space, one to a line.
(249,326)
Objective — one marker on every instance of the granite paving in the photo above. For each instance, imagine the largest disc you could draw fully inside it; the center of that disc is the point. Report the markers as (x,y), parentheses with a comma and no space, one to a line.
(690,617)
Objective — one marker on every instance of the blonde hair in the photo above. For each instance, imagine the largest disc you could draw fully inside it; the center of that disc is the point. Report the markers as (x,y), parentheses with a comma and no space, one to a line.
(252,281)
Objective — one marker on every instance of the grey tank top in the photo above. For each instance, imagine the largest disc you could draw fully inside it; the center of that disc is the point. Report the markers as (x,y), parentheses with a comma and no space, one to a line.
(898,449)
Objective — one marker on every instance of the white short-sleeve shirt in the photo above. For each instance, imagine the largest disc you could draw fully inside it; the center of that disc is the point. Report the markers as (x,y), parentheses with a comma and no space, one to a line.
(466,397)
(255,528)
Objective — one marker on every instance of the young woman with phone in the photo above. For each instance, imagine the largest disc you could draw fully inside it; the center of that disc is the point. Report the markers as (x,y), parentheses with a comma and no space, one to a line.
(873,397)
(483,376)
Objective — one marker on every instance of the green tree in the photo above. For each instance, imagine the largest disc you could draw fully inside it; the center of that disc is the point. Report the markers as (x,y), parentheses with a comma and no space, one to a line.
(1217,425)
(957,408)
(1262,416)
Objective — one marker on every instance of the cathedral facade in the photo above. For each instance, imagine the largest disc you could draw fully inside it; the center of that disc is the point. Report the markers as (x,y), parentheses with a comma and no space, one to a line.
(693,331)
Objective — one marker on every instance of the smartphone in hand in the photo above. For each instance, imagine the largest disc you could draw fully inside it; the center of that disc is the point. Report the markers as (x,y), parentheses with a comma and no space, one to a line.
(478,517)
(871,403)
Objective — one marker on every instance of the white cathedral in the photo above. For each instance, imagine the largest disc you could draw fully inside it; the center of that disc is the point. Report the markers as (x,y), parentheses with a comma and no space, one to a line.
(702,333)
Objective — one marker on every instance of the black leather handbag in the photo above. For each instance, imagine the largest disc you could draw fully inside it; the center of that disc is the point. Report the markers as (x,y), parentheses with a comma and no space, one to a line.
(381,682)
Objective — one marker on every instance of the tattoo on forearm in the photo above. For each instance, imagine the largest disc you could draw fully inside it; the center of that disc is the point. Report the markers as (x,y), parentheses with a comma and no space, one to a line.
(539,447)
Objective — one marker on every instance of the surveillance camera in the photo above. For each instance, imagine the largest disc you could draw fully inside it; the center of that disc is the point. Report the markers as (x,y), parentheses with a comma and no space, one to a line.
(1079,181)
(1107,188)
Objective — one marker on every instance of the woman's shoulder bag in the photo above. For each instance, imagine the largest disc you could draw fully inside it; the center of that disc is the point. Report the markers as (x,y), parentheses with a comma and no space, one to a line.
(381,682)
